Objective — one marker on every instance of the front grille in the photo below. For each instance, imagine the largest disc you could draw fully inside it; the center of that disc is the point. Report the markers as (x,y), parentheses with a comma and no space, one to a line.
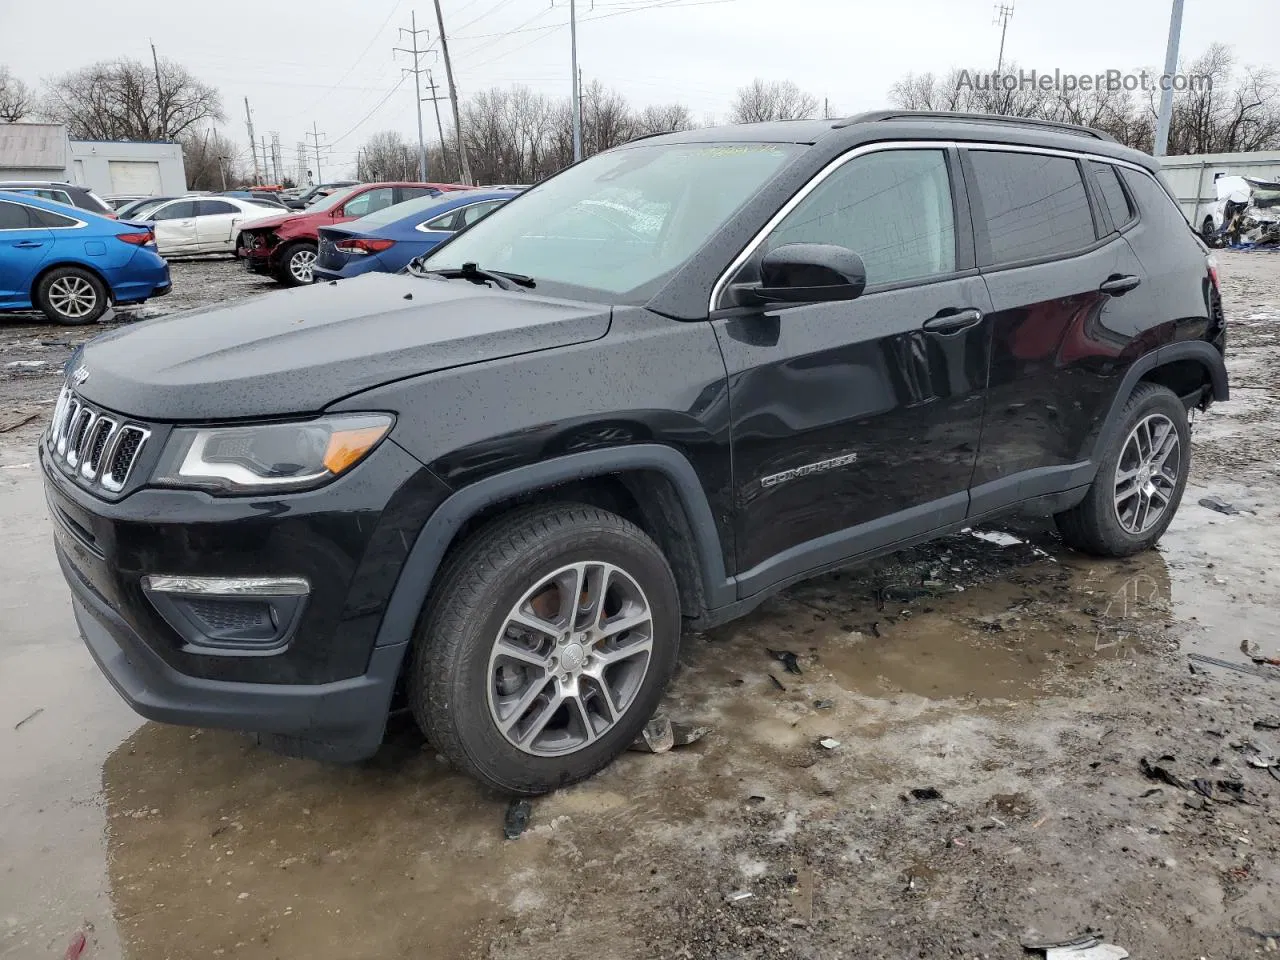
(98,447)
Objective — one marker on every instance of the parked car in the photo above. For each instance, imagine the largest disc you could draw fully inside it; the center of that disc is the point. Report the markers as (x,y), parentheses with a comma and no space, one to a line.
(194,225)
(138,209)
(285,246)
(116,203)
(73,264)
(316,193)
(387,240)
(60,192)
(1247,210)
(497,492)
(265,197)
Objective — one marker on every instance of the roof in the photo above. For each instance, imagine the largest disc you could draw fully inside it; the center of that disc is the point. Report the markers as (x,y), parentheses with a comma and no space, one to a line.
(900,124)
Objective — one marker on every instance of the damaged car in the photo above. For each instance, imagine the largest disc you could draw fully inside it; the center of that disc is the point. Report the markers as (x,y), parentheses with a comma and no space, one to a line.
(1247,211)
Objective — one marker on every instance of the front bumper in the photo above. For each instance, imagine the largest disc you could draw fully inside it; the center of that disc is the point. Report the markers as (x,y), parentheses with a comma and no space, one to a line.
(323,693)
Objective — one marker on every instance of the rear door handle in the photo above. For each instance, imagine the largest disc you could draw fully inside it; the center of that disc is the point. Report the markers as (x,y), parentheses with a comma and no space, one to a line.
(953,320)
(28,244)
(1119,284)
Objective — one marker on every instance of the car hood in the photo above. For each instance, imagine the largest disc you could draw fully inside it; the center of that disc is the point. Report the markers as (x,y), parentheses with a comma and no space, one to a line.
(297,351)
(271,220)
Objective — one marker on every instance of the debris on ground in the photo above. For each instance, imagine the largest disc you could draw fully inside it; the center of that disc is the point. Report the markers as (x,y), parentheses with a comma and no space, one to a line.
(823,704)
(1253,670)
(17,419)
(923,794)
(1152,771)
(660,735)
(828,743)
(517,818)
(1087,947)
(739,895)
(1220,505)
(777,683)
(76,947)
(788,659)
(25,364)
(30,716)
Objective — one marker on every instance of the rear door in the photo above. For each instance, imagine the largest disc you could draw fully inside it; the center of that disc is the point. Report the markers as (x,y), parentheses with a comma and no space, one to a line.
(175,227)
(855,424)
(1065,322)
(24,246)
(369,202)
(217,222)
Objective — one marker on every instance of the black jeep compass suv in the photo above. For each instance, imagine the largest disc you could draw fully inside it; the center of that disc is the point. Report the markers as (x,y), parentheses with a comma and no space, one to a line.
(647,393)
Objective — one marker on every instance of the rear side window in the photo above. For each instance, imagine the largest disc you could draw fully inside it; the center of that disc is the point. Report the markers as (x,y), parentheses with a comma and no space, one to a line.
(213,208)
(1113,194)
(13,216)
(47,218)
(1032,206)
(892,208)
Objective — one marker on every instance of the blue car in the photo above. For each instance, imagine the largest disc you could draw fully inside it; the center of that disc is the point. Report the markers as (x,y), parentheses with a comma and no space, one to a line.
(73,264)
(385,241)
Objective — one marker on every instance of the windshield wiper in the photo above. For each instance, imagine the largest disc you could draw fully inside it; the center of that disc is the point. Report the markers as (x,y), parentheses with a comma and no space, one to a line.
(472,272)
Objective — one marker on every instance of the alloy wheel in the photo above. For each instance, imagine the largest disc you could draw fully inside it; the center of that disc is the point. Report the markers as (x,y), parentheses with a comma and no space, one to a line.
(1147,473)
(73,297)
(301,265)
(570,659)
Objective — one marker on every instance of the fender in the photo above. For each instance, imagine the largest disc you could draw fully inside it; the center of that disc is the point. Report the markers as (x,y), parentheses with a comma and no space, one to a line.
(429,548)
(1203,352)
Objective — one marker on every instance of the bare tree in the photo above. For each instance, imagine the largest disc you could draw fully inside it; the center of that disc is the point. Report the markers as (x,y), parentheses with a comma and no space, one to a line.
(779,100)
(16,98)
(211,160)
(387,155)
(664,118)
(121,100)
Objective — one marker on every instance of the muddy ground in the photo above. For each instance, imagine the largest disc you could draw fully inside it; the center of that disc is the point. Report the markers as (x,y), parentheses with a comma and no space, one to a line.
(1025,684)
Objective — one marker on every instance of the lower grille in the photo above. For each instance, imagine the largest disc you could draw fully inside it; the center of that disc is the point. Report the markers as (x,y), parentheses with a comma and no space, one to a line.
(100,448)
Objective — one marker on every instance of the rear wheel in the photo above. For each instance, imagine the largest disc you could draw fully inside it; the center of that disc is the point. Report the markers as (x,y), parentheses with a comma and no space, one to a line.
(1206,228)
(1140,480)
(297,263)
(546,648)
(71,296)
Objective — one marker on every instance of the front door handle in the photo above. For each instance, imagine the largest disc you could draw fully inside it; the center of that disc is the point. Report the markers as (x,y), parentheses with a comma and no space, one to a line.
(28,244)
(1119,284)
(953,320)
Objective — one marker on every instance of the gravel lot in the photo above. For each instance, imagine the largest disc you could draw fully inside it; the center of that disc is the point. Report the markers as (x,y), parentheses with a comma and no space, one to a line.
(1020,697)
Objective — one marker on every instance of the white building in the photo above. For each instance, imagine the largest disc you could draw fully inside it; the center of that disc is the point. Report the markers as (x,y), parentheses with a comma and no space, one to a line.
(1191,177)
(43,151)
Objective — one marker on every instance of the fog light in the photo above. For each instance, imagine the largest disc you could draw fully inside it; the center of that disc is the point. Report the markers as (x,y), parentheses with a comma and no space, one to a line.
(243,614)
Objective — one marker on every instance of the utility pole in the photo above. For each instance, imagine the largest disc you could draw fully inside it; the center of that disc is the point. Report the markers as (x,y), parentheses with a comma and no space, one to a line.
(266,162)
(577,82)
(1004,12)
(164,132)
(826,109)
(416,70)
(253,144)
(453,97)
(275,157)
(1164,118)
(435,102)
(316,135)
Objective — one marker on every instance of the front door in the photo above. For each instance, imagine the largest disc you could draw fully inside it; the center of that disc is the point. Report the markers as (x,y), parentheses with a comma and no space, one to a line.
(23,247)
(856,423)
(175,227)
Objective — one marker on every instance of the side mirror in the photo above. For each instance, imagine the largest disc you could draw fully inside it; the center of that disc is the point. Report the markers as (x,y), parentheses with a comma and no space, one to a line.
(810,273)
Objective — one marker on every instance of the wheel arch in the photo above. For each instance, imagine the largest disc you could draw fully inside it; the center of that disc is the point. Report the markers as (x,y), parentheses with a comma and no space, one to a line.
(48,268)
(651,484)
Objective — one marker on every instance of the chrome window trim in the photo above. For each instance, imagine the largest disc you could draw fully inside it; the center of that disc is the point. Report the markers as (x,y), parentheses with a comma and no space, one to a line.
(880,146)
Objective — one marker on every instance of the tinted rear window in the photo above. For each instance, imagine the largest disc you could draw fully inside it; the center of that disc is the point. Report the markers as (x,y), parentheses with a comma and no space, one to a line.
(1113,194)
(13,216)
(47,218)
(1033,205)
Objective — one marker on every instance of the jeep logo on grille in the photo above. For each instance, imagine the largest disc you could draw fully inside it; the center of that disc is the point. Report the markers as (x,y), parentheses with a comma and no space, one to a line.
(79,375)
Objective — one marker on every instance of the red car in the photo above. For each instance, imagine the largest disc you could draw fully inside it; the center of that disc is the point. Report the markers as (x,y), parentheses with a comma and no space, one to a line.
(284,245)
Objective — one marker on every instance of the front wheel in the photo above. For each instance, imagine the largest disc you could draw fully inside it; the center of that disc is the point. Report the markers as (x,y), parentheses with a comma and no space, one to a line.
(547,645)
(1140,479)
(297,264)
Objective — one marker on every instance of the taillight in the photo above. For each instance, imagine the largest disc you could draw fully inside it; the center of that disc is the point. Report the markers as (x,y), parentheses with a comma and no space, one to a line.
(364,246)
(137,239)
(1213,274)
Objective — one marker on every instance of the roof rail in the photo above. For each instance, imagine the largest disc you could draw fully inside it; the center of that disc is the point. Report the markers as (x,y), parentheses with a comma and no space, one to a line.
(876,116)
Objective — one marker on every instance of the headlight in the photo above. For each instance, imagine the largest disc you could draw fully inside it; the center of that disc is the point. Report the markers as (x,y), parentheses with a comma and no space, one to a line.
(269,456)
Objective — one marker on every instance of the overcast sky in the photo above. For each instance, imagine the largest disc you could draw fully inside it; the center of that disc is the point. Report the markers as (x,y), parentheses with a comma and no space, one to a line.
(330,61)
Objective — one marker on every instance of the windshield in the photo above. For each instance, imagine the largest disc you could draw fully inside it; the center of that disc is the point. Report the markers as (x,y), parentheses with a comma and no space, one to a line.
(620,221)
(398,211)
(332,200)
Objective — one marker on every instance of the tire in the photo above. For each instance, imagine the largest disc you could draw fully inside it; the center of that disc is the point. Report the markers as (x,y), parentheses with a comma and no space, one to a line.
(297,261)
(462,687)
(72,296)
(1101,525)
(1206,228)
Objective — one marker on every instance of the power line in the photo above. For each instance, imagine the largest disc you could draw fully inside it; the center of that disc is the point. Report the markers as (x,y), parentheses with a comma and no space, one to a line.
(658,4)
(417,72)
(377,107)
(369,46)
